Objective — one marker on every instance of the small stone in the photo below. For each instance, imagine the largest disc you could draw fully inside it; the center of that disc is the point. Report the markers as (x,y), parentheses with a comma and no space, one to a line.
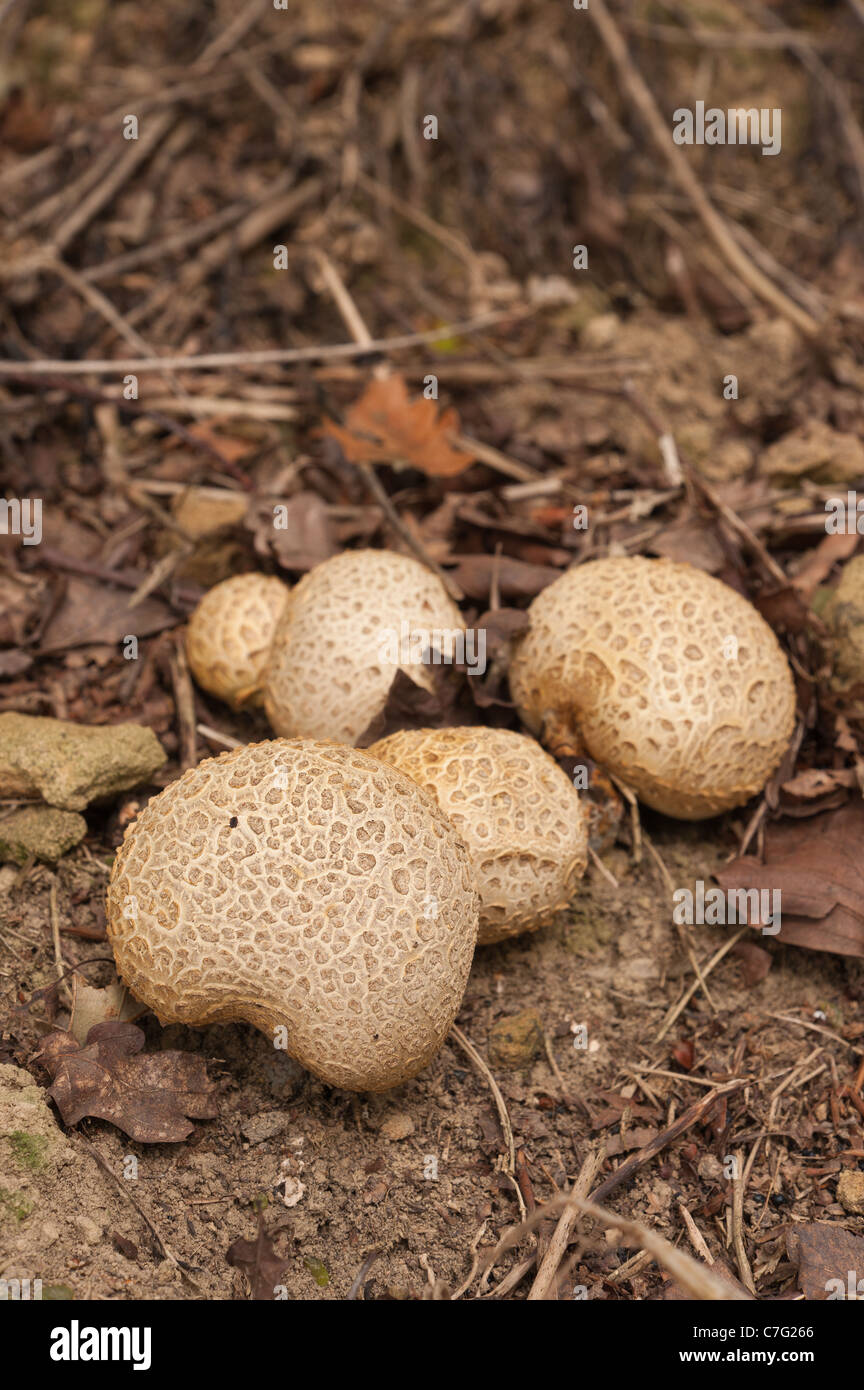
(515,1041)
(265,1126)
(816,451)
(70,765)
(600,332)
(90,1232)
(42,832)
(710,1169)
(8,878)
(397,1126)
(850,1191)
(291,1190)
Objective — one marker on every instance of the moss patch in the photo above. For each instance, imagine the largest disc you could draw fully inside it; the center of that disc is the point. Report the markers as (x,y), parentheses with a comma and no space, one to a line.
(14,1206)
(29,1149)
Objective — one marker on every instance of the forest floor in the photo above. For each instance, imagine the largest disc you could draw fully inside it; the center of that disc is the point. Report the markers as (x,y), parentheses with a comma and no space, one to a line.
(280,184)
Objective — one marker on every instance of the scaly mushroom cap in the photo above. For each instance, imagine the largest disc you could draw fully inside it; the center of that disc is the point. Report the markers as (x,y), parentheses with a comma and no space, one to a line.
(664,675)
(230,632)
(303,886)
(517,811)
(339,644)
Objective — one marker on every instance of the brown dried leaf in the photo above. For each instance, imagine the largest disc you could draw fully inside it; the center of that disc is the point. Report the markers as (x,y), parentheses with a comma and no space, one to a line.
(632,1139)
(818,869)
(148,1097)
(817,781)
(755,962)
(300,536)
(821,560)
(692,540)
(385,426)
(785,610)
(684,1053)
(474,574)
(25,124)
(824,1254)
(260,1263)
(96,612)
(231,447)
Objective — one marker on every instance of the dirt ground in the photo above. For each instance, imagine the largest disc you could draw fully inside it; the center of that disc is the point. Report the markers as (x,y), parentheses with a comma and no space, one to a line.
(358,1174)
(359,1165)
(261,130)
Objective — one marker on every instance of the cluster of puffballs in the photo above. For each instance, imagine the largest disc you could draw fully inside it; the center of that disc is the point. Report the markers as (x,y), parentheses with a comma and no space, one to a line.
(333,897)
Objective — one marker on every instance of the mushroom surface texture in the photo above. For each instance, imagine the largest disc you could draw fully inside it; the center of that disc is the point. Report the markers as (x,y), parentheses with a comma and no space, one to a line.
(230,632)
(664,675)
(352,623)
(517,811)
(303,887)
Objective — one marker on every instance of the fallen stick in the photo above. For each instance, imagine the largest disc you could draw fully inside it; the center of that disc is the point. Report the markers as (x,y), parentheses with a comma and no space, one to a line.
(240,360)
(692,1116)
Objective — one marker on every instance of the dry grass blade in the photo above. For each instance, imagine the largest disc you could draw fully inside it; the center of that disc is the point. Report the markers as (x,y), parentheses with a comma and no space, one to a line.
(249,361)
(639,93)
(700,1283)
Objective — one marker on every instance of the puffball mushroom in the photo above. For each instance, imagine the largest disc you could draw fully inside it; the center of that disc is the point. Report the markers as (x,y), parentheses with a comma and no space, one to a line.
(517,811)
(230,632)
(303,887)
(353,622)
(664,675)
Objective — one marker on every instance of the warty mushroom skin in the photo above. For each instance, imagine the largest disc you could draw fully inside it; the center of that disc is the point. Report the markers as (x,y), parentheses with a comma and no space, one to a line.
(664,675)
(230,633)
(300,886)
(329,674)
(517,811)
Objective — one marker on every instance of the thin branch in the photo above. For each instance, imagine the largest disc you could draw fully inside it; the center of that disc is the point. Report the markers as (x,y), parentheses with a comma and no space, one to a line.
(242,361)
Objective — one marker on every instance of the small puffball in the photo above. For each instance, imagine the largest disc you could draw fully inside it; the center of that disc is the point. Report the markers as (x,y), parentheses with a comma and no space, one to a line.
(665,676)
(517,811)
(305,888)
(230,632)
(353,622)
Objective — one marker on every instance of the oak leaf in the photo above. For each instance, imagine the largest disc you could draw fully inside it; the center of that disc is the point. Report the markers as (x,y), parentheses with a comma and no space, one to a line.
(385,426)
(148,1097)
